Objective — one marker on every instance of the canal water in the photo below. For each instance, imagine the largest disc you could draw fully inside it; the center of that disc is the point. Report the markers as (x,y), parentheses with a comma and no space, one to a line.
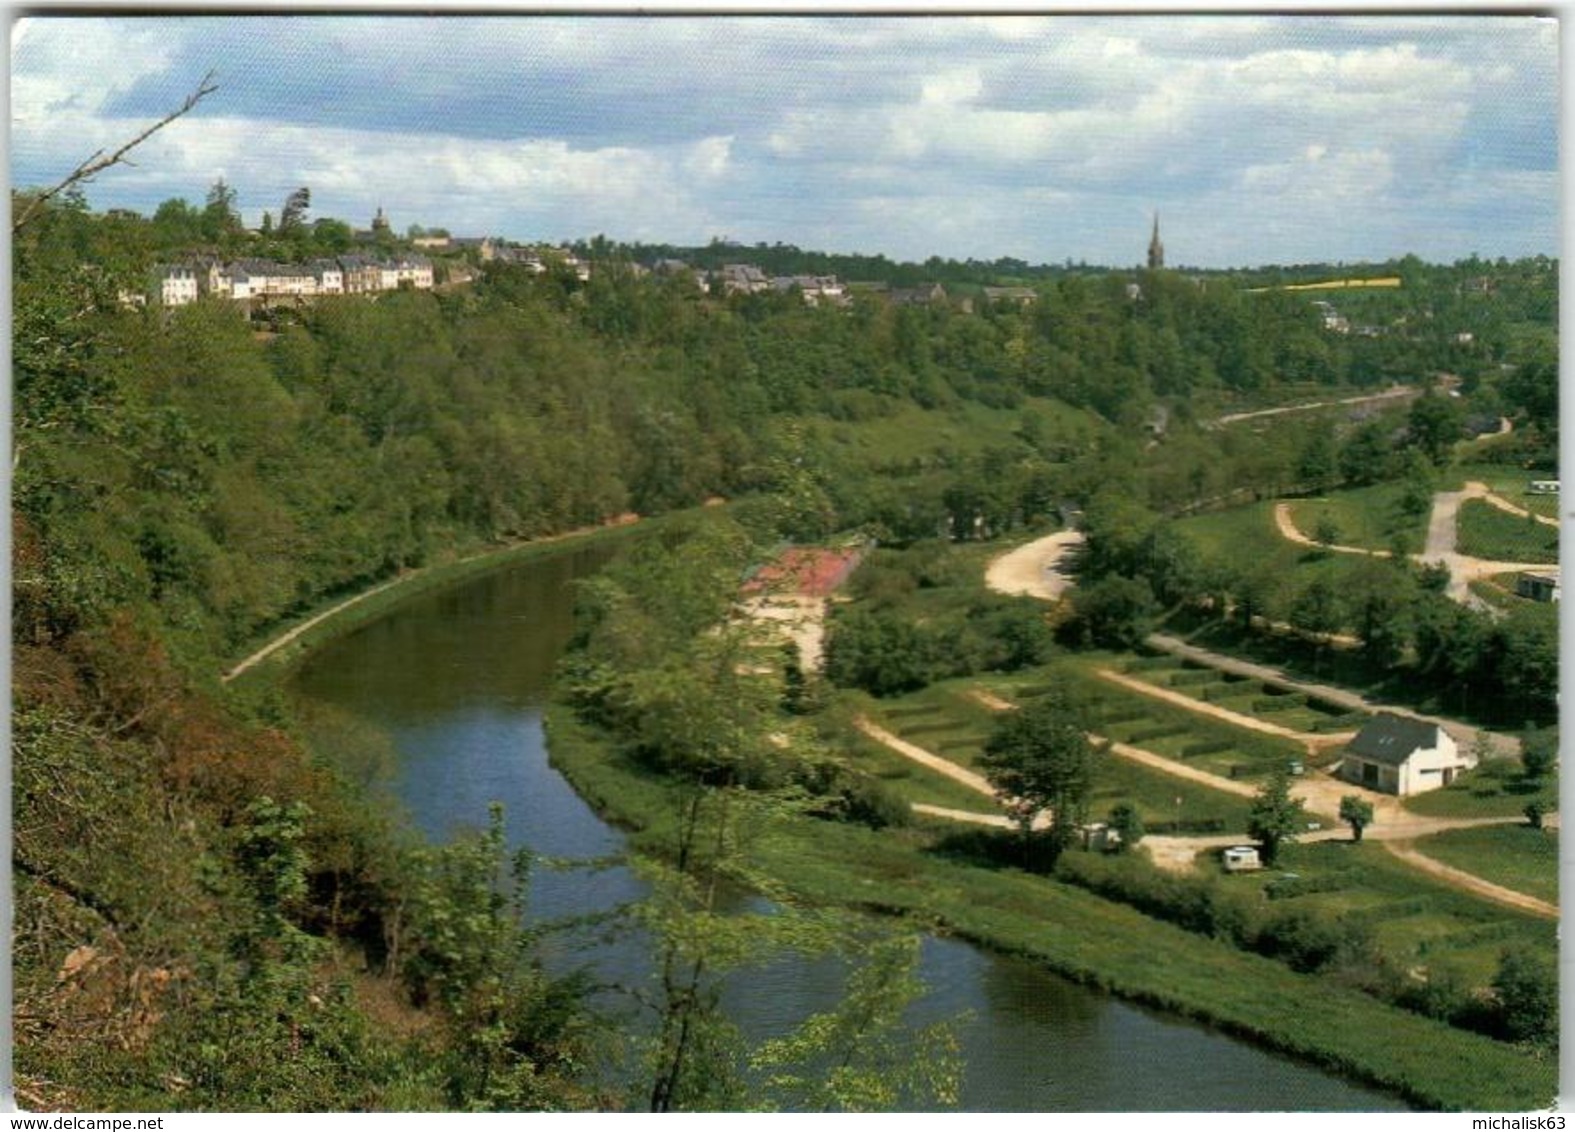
(441,700)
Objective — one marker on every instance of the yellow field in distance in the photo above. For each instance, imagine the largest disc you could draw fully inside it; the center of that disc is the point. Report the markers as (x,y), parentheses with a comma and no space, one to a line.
(1334,285)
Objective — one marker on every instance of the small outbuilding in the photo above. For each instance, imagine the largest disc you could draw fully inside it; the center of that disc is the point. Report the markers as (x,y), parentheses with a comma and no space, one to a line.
(1401,755)
(1538,587)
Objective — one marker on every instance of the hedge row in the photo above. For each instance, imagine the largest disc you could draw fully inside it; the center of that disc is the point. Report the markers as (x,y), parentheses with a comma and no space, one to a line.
(1122,715)
(929,728)
(909,711)
(1207,747)
(1158,731)
(1151,663)
(1351,720)
(1284,888)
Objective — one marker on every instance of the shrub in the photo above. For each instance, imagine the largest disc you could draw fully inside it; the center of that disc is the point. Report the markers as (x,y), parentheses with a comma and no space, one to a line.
(1309,942)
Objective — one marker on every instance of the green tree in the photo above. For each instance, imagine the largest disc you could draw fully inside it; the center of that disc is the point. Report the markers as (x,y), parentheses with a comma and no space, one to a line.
(1527,991)
(1357,812)
(1434,425)
(292,217)
(1127,822)
(1539,752)
(863,1055)
(1114,610)
(220,217)
(1275,817)
(1040,758)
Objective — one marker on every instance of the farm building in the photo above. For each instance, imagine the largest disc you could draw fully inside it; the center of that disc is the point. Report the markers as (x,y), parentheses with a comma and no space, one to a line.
(1400,755)
(1538,587)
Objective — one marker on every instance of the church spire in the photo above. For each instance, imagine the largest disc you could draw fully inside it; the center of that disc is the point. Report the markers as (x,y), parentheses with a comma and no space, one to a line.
(1156,249)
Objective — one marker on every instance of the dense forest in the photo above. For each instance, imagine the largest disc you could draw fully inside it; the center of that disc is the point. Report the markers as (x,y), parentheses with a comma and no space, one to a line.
(196,894)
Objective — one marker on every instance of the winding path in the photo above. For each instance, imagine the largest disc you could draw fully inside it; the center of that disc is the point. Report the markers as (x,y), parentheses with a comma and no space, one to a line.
(1442,537)
(283,639)
(1398,392)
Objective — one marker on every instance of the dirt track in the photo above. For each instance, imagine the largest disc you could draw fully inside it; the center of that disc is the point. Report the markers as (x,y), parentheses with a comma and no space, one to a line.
(1472,883)
(1035,569)
(1289,530)
(1442,535)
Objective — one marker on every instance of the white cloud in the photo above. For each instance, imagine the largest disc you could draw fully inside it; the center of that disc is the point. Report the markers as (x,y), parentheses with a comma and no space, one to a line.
(925,129)
(1318,178)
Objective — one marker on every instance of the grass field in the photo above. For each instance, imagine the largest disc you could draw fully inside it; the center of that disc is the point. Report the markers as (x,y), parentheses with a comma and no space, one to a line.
(1369,517)
(1498,788)
(1515,856)
(911,439)
(1499,591)
(1249,535)
(1412,915)
(1487,532)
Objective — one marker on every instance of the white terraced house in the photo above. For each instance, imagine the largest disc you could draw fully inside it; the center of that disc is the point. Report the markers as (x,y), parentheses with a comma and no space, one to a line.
(177,284)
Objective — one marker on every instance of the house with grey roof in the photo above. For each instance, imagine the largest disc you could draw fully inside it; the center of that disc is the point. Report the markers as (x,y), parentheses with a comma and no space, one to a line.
(1401,755)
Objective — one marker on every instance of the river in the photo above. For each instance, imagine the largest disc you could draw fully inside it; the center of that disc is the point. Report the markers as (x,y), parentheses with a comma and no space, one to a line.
(451,683)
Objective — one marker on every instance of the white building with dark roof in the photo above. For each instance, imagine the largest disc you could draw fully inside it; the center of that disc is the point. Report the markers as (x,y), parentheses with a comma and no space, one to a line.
(176,284)
(1400,755)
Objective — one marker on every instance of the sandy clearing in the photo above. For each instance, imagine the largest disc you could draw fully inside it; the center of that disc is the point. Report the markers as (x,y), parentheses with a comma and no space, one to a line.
(799,619)
(1035,569)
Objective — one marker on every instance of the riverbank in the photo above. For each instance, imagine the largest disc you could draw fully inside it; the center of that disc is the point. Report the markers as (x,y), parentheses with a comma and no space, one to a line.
(1098,943)
(287,642)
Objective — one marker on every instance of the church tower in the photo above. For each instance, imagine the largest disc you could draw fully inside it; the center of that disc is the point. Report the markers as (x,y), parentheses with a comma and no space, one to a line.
(1156,249)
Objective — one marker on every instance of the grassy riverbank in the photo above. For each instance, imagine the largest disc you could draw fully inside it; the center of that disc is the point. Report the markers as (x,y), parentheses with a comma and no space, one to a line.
(345,613)
(1099,943)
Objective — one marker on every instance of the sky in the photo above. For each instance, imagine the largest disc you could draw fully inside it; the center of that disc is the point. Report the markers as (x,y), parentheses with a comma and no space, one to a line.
(1256,139)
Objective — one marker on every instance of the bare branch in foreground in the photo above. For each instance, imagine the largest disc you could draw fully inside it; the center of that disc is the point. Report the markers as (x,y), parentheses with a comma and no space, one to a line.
(99,162)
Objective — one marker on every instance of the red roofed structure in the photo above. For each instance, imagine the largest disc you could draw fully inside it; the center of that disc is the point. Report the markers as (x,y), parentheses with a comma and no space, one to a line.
(806,570)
